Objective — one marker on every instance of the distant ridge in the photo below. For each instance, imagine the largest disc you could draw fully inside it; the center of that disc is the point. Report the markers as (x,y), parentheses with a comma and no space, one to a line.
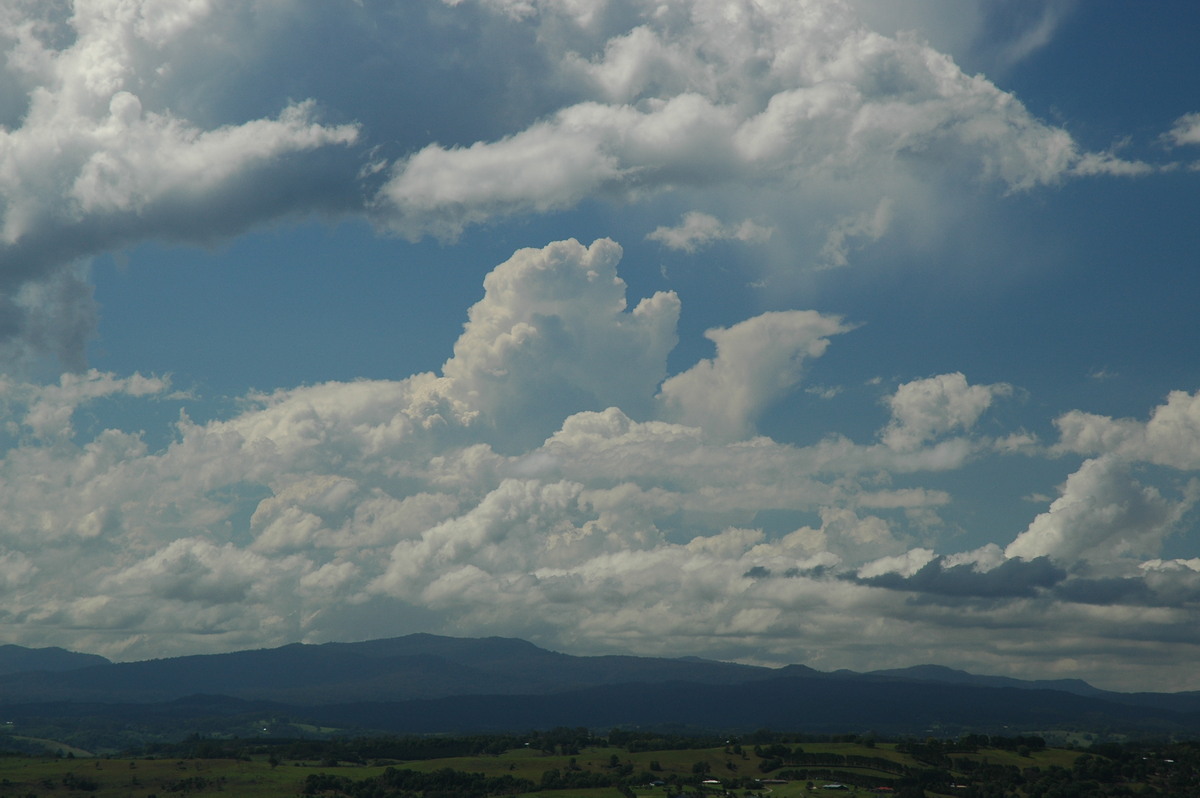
(940,673)
(17,659)
(426,683)
(810,704)
(394,669)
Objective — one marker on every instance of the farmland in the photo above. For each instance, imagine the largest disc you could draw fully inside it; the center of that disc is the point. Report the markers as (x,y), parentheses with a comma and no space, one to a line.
(582,766)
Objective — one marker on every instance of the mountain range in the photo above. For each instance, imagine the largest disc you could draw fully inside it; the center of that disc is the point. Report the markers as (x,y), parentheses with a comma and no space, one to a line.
(431,684)
(17,659)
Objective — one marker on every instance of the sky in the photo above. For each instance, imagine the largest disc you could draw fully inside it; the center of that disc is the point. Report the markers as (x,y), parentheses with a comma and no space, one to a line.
(851,333)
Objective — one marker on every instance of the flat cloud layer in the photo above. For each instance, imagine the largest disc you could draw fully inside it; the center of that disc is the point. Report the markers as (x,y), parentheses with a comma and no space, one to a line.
(560,477)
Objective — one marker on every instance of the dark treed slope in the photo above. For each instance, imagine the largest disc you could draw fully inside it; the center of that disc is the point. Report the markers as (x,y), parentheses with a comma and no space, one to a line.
(18,659)
(814,704)
(426,683)
(1177,702)
(940,673)
(415,666)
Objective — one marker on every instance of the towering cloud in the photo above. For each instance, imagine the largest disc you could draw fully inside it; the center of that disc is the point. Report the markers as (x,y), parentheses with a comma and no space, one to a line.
(699,96)
(552,335)
(588,467)
(758,361)
(323,509)
(1103,514)
(129,121)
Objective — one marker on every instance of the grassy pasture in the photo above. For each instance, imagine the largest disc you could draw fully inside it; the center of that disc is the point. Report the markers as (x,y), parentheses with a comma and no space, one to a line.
(1061,757)
(138,778)
(165,778)
(530,764)
(141,778)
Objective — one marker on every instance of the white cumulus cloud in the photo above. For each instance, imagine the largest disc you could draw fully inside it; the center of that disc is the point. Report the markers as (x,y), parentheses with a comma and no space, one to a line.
(553,334)
(926,409)
(698,230)
(757,362)
(1102,514)
(1186,130)
(696,95)
(92,158)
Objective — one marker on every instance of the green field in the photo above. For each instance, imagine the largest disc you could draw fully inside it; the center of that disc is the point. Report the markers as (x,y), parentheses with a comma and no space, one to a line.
(140,778)
(683,771)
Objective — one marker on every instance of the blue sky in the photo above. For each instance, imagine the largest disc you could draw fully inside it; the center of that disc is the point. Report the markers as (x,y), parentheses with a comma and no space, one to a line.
(857,334)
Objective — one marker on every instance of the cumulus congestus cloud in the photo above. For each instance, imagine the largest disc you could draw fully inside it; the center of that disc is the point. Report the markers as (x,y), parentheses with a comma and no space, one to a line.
(93,155)
(133,121)
(590,466)
(426,497)
(395,488)
(705,97)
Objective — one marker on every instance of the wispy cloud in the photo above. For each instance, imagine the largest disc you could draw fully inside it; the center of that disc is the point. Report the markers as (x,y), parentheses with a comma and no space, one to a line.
(1186,130)
(699,230)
